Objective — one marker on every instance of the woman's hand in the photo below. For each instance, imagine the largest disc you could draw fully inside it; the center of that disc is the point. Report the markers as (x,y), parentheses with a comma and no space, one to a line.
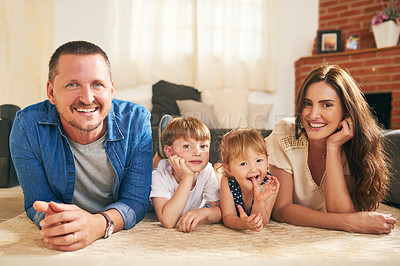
(371,223)
(345,133)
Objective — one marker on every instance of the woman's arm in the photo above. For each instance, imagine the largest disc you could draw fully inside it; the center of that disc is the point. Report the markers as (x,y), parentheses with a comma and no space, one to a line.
(337,196)
(286,211)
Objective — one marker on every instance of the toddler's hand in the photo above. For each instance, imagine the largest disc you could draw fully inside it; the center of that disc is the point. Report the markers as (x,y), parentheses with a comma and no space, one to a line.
(180,167)
(266,190)
(253,222)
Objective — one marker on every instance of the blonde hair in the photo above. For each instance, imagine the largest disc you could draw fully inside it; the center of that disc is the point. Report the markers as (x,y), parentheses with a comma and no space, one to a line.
(185,127)
(236,143)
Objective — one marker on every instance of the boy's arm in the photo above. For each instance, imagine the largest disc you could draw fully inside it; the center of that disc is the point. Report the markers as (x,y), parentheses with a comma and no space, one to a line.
(191,218)
(170,210)
(214,210)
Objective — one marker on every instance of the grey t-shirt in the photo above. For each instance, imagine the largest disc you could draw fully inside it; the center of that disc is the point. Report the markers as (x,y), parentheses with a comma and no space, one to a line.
(94,176)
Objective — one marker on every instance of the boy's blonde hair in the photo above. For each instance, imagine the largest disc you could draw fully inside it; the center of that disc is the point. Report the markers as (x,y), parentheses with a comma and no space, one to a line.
(236,143)
(185,127)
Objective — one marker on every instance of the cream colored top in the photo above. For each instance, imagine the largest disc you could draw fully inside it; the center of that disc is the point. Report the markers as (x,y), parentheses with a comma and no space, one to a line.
(291,154)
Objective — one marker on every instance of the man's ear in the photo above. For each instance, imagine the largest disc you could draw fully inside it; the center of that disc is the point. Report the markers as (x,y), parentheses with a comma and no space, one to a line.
(112,88)
(168,151)
(50,92)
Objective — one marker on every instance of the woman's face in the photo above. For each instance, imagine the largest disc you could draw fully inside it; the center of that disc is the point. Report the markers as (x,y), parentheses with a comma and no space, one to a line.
(322,111)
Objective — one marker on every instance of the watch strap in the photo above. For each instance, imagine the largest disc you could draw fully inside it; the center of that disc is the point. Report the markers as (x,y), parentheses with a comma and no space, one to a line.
(110,225)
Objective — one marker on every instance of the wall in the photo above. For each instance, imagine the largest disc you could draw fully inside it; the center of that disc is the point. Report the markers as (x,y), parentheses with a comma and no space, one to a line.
(26,43)
(89,20)
(295,38)
(376,70)
(350,16)
(52,23)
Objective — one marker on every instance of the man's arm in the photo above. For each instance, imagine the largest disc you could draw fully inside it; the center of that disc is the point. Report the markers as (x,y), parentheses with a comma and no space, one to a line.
(30,171)
(134,188)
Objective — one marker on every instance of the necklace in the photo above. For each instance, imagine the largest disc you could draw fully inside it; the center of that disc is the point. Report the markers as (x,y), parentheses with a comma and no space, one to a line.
(321,154)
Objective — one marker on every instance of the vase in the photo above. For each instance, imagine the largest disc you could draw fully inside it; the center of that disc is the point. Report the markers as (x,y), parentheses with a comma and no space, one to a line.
(386,34)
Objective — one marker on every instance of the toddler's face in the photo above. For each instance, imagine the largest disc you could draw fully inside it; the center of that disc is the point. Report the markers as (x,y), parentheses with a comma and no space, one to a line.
(245,168)
(196,153)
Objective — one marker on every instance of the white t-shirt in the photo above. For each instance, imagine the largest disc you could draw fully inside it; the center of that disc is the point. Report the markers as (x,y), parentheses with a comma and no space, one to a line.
(291,154)
(164,185)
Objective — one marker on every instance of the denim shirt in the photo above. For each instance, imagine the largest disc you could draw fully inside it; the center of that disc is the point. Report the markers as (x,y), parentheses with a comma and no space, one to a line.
(45,164)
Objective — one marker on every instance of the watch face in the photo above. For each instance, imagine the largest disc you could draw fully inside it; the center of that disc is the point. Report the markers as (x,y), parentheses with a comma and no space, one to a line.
(111,229)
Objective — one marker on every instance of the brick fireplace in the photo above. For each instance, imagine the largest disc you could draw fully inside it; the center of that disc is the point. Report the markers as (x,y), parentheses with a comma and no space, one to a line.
(376,70)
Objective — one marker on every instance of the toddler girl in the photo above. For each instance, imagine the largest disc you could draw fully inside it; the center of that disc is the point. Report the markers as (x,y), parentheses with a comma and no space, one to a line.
(248,191)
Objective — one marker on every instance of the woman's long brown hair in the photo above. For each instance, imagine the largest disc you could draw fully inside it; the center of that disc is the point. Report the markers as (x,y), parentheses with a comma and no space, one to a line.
(364,152)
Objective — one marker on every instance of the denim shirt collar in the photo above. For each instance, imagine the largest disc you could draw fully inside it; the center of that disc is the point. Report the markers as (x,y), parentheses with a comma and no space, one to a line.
(113,130)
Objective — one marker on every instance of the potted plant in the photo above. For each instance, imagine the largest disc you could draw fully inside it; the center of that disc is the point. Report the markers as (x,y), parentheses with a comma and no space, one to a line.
(386,24)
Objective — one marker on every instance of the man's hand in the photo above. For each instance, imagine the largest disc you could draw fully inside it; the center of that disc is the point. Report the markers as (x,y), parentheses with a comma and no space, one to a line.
(67,227)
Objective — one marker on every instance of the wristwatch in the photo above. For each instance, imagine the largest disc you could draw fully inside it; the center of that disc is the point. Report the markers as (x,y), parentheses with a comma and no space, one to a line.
(110,225)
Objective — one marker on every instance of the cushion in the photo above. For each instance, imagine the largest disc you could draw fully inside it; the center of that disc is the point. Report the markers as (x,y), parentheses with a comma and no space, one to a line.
(391,142)
(230,106)
(258,114)
(164,99)
(199,110)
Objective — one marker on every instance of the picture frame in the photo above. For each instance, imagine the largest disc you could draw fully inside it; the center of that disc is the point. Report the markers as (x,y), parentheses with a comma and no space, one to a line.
(329,41)
(353,41)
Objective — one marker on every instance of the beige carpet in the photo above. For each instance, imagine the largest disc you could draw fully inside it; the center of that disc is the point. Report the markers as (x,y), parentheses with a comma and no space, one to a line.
(149,243)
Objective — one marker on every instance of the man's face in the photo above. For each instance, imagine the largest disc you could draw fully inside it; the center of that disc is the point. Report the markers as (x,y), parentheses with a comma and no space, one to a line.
(82,91)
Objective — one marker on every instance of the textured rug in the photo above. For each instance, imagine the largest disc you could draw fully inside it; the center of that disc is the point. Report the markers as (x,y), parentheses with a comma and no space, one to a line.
(148,242)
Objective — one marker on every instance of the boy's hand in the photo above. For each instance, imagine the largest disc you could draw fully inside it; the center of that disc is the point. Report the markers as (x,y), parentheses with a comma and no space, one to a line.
(266,190)
(253,222)
(190,219)
(180,167)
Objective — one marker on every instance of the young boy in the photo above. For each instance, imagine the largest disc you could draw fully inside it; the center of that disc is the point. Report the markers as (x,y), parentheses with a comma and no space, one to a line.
(182,183)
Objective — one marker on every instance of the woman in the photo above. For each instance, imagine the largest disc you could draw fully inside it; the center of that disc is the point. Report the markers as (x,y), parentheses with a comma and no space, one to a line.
(329,159)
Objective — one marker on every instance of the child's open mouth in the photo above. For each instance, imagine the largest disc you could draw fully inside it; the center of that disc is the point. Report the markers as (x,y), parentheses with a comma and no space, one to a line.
(255,177)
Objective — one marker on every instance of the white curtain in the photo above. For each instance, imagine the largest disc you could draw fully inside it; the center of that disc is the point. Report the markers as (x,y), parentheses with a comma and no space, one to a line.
(208,44)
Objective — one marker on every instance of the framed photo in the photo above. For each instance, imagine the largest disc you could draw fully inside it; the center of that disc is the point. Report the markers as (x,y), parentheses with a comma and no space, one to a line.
(329,41)
(353,41)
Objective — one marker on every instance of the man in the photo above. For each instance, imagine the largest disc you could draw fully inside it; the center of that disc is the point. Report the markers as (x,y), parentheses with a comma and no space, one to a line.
(83,159)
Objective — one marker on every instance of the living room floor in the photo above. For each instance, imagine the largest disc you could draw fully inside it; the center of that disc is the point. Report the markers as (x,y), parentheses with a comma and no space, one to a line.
(11,202)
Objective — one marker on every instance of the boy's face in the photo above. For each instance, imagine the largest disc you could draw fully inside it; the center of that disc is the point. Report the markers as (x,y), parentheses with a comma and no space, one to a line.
(196,153)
